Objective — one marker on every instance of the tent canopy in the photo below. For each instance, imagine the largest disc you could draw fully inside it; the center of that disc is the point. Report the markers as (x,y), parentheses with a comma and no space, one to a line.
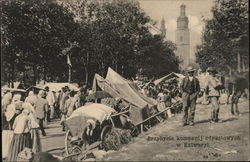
(58,86)
(169,76)
(117,86)
(35,87)
(13,89)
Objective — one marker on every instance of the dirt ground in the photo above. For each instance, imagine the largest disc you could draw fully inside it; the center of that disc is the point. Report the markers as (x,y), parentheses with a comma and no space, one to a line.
(168,141)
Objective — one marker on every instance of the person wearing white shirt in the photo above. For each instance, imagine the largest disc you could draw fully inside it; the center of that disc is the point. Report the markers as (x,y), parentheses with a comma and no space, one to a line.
(51,101)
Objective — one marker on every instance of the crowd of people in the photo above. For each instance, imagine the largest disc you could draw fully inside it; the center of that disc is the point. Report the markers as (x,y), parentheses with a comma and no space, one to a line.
(188,90)
(23,117)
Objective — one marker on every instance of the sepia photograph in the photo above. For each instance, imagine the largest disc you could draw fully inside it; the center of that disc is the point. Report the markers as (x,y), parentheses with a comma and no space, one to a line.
(125,80)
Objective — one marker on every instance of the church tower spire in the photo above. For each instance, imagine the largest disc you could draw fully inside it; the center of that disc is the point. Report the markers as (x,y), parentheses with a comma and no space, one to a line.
(182,21)
(163,28)
(183,38)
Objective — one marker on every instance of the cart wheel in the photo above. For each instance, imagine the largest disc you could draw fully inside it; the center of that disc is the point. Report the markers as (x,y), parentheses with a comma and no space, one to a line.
(69,147)
(105,129)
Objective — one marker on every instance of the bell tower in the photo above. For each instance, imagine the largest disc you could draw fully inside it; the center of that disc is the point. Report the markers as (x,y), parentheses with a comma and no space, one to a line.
(183,38)
(163,28)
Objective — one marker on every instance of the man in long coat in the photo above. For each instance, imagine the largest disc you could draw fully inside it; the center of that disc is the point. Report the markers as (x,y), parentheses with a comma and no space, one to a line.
(41,107)
(190,88)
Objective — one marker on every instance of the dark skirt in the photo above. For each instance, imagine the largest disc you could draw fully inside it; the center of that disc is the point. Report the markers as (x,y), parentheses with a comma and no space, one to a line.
(18,143)
(36,142)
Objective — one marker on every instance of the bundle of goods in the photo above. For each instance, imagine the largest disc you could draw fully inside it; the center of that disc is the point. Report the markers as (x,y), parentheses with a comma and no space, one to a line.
(25,155)
(115,138)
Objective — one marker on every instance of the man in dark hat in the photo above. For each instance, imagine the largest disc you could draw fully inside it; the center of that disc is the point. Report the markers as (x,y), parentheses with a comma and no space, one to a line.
(213,86)
(190,88)
(50,97)
(82,94)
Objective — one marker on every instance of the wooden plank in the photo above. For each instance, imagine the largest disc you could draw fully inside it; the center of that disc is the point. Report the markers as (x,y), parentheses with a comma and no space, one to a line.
(124,112)
(159,118)
(56,148)
(90,147)
(146,127)
(157,114)
(141,128)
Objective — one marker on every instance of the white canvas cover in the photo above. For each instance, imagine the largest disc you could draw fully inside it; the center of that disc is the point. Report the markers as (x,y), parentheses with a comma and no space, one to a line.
(117,86)
(128,90)
(169,76)
(58,86)
(97,111)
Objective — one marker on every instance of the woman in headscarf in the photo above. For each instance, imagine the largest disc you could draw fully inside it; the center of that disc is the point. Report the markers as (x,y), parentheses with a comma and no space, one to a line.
(34,131)
(21,137)
(8,118)
(6,100)
(31,98)
(16,100)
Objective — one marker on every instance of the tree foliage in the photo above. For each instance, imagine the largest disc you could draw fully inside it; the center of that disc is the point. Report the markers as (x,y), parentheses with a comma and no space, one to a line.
(224,35)
(34,36)
(95,34)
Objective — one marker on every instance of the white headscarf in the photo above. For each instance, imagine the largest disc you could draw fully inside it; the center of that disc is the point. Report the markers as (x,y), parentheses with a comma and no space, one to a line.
(26,111)
(28,106)
(41,93)
(10,111)
(31,93)
(6,100)
(16,98)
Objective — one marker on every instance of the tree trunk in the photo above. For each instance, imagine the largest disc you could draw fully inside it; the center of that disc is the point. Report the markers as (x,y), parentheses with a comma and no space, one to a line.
(243,65)
(238,60)
(12,76)
(44,73)
(122,70)
(86,75)
(69,74)
(35,74)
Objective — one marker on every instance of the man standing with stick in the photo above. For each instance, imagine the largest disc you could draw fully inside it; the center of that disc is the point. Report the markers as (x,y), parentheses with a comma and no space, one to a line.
(190,88)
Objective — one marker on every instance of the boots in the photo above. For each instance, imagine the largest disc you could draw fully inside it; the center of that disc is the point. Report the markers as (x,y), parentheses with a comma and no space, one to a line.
(217,120)
(232,109)
(212,117)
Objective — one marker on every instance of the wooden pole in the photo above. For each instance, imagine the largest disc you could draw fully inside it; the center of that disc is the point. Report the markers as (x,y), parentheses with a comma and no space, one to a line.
(239,60)
(69,74)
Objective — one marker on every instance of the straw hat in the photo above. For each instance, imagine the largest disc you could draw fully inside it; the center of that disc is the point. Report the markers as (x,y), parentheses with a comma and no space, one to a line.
(190,69)
(212,69)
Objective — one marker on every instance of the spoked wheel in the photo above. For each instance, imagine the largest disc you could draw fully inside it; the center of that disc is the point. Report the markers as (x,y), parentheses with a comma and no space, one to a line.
(72,147)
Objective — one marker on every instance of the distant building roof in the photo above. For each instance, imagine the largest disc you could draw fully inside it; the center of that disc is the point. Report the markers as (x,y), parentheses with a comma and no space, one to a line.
(153,29)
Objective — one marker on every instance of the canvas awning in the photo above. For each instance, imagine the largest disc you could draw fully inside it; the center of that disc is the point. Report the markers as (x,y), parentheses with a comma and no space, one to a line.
(169,76)
(13,89)
(117,86)
(58,86)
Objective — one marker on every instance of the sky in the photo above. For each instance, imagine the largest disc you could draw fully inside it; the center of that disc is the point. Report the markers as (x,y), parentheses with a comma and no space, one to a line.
(170,10)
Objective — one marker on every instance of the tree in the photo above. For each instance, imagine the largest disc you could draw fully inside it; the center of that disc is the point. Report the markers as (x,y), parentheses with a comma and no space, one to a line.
(38,36)
(225,35)
(115,34)
(34,35)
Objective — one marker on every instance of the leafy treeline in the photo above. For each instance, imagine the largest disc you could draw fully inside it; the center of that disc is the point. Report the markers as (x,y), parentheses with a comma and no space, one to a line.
(225,37)
(37,36)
